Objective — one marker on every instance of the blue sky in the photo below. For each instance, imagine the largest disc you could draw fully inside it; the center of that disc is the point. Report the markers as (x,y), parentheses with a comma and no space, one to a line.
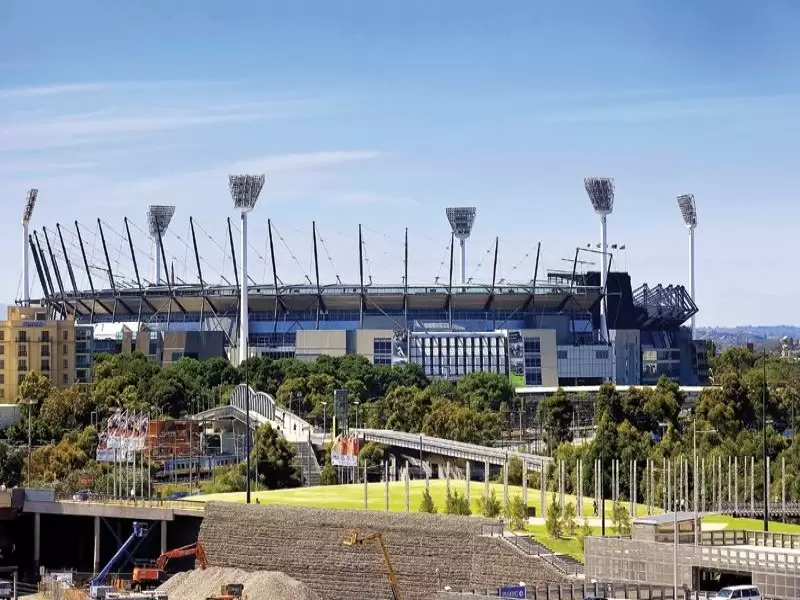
(383,113)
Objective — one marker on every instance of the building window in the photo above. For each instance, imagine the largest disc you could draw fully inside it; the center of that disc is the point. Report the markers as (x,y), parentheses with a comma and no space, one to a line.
(45,351)
(601,354)
(41,316)
(2,349)
(66,364)
(2,394)
(2,378)
(533,345)
(65,379)
(561,354)
(22,350)
(20,377)
(2,364)
(65,350)
(2,335)
(533,377)
(22,365)
(46,364)
(65,336)
(382,351)
(22,336)
(533,362)
(46,337)
(176,356)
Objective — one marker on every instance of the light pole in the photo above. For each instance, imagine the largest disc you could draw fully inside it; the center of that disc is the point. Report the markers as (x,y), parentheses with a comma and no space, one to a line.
(27,213)
(601,195)
(694,477)
(764,442)
(158,219)
(324,420)
(245,190)
(461,219)
(688,210)
(357,404)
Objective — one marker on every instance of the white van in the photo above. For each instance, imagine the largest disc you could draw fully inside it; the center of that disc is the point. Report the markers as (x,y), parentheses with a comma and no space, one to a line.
(739,591)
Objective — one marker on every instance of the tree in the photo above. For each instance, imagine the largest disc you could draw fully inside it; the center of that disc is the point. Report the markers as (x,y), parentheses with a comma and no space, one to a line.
(34,390)
(66,409)
(454,421)
(485,391)
(371,454)
(274,459)
(620,519)
(427,505)
(12,462)
(555,415)
(490,506)
(169,393)
(569,517)
(552,522)
(584,532)
(514,470)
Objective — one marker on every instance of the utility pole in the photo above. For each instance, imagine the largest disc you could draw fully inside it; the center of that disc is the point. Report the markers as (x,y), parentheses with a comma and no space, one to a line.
(764,428)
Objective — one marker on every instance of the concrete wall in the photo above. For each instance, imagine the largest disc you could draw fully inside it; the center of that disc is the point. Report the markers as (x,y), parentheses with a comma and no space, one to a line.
(548,341)
(312,343)
(365,341)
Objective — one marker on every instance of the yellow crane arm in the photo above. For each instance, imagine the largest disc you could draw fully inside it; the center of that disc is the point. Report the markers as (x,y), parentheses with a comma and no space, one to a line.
(353,539)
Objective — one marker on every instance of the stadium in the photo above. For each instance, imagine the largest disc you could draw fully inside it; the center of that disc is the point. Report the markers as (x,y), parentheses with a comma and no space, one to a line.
(569,327)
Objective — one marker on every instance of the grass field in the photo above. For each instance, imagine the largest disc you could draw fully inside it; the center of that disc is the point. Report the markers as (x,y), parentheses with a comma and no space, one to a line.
(352,496)
(752,524)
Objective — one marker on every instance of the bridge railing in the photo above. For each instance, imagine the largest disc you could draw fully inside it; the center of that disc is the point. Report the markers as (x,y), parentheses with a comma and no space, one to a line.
(138,503)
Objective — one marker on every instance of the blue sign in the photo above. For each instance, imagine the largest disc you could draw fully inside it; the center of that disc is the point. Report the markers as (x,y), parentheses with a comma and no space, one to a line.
(33,323)
(512,591)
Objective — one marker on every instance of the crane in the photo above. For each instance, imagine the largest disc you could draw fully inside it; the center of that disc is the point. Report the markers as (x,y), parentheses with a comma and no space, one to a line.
(96,587)
(153,573)
(353,539)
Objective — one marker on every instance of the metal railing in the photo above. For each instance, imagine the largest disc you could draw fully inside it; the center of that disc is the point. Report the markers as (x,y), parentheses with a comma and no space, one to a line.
(137,503)
(744,537)
(529,546)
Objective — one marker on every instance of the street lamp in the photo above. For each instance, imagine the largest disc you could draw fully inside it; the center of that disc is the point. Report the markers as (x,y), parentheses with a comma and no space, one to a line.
(694,476)
(601,194)
(764,442)
(357,404)
(324,420)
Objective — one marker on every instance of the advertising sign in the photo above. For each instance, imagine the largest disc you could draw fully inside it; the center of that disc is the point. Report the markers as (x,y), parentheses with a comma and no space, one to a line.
(340,411)
(512,591)
(344,452)
(516,358)
(400,347)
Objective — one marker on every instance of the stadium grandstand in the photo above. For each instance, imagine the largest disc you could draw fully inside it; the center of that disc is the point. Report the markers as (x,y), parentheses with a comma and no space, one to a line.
(162,293)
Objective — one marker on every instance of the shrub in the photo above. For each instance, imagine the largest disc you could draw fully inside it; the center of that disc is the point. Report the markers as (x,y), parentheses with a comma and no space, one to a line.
(517,513)
(456,504)
(427,505)
(620,519)
(568,518)
(490,507)
(553,521)
(327,475)
(584,532)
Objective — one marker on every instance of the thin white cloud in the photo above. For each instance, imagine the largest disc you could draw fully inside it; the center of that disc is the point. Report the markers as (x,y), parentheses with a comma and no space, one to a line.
(52,90)
(370,199)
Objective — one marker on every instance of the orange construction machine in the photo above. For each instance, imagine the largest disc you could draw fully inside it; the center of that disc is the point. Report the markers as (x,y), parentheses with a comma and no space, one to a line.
(152,574)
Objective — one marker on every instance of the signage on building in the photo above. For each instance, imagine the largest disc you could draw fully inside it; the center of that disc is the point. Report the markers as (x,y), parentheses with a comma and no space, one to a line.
(85,481)
(33,323)
(512,591)
(399,347)
(340,411)
(516,358)
(344,452)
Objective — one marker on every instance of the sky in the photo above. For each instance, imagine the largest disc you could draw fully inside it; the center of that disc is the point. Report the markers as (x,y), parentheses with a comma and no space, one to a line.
(384,113)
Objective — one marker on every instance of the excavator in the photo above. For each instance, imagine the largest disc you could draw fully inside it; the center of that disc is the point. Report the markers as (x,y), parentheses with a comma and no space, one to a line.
(152,574)
(353,539)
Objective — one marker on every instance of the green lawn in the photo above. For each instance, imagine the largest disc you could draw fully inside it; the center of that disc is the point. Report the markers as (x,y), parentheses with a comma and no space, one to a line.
(352,496)
(752,524)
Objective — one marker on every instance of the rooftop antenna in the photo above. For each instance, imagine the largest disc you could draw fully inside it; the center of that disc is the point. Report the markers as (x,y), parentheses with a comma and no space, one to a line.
(601,195)
(158,219)
(689,214)
(461,220)
(245,190)
(27,213)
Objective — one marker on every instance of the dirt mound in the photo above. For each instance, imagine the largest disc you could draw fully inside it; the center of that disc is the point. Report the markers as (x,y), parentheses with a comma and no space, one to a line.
(258,585)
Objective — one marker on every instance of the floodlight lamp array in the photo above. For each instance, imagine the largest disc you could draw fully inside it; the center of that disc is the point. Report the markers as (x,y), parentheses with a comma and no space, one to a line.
(601,194)
(245,190)
(688,210)
(30,203)
(158,219)
(461,220)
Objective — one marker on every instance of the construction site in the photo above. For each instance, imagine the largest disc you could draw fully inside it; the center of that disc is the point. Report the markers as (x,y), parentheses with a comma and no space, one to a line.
(262,552)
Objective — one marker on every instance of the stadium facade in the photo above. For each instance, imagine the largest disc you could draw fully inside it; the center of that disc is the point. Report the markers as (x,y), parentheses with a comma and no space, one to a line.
(546,333)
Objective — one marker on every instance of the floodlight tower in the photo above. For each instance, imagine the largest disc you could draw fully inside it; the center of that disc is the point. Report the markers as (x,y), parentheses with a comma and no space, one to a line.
(461,220)
(601,195)
(27,213)
(158,219)
(689,214)
(245,190)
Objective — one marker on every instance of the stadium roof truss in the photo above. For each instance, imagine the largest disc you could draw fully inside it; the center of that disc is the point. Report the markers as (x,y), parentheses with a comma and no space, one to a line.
(123,297)
(668,306)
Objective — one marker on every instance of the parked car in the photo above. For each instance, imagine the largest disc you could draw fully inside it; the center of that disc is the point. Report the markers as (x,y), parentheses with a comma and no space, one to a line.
(177,495)
(83,495)
(739,591)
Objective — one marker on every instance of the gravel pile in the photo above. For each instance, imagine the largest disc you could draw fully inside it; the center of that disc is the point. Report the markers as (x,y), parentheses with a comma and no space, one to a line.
(258,585)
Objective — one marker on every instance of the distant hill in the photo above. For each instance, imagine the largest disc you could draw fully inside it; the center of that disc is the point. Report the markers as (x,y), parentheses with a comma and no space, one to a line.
(742,334)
